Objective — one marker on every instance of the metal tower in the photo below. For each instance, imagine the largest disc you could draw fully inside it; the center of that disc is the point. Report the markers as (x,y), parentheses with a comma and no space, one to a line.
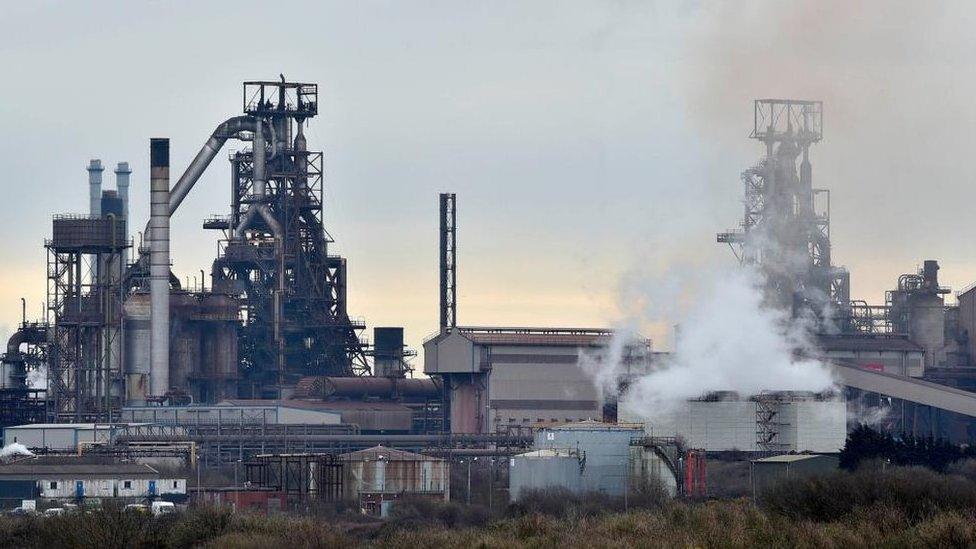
(275,256)
(786,224)
(85,258)
(448,249)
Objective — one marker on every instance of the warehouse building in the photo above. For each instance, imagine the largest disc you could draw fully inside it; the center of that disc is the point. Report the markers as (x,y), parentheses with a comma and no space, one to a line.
(233,412)
(74,479)
(782,422)
(61,436)
(498,379)
(377,476)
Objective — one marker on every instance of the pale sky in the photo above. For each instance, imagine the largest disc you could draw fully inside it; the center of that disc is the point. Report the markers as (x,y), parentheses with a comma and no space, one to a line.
(585,140)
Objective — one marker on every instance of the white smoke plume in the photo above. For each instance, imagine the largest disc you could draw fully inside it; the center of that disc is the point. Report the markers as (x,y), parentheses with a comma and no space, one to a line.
(37,378)
(728,341)
(15,449)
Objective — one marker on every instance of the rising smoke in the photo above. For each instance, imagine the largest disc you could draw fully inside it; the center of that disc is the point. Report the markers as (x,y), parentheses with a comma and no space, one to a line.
(15,449)
(727,340)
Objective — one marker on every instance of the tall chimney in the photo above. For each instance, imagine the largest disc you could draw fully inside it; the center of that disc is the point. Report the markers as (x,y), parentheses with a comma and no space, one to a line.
(95,187)
(159,266)
(122,172)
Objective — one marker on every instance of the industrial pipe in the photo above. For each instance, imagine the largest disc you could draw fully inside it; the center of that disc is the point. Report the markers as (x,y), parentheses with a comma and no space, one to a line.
(220,135)
(159,272)
(441,439)
(14,367)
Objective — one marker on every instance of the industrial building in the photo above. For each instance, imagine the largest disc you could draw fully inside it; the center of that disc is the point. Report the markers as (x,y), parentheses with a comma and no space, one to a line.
(592,456)
(260,356)
(773,422)
(497,379)
(73,479)
(377,476)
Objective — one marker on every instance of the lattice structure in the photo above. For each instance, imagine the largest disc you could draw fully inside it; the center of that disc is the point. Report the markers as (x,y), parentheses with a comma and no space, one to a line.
(448,256)
(767,423)
(299,476)
(84,260)
(293,292)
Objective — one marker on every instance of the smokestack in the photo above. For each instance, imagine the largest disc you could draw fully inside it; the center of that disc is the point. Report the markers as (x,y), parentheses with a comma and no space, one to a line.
(159,266)
(122,172)
(95,187)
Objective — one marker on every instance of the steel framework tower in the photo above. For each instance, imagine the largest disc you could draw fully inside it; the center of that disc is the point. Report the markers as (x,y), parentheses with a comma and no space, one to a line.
(84,307)
(448,254)
(275,256)
(786,224)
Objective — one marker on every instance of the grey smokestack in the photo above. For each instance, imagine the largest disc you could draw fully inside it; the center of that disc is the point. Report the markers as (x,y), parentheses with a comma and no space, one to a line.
(95,187)
(159,266)
(122,172)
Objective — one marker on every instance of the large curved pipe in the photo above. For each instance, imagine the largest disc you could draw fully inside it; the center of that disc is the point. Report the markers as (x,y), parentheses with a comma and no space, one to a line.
(27,334)
(226,130)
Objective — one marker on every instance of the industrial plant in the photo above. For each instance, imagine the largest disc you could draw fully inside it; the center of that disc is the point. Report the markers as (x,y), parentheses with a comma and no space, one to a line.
(261,372)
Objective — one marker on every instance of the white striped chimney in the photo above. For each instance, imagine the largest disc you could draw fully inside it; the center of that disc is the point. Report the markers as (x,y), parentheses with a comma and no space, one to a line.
(95,187)
(159,266)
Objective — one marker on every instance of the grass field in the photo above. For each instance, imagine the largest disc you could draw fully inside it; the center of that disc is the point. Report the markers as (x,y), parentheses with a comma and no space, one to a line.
(899,507)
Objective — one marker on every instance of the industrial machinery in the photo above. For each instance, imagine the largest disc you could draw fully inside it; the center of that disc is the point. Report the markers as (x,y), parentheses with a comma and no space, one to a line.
(274,256)
(785,230)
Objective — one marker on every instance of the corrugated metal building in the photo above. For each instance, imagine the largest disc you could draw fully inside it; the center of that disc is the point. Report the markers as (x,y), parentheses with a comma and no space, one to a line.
(369,416)
(801,425)
(74,478)
(60,436)
(233,412)
(379,474)
(891,353)
(498,378)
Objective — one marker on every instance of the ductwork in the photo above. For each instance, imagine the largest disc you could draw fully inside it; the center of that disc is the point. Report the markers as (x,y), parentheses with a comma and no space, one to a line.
(159,272)
(14,368)
(230,128)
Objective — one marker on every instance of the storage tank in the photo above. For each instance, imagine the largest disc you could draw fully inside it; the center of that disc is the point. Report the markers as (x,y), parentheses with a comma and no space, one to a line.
(605,448)
(547,469)
(136,330)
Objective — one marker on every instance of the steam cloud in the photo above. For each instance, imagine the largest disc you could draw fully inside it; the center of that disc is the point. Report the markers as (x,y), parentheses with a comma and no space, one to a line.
(728,341)
(15,449)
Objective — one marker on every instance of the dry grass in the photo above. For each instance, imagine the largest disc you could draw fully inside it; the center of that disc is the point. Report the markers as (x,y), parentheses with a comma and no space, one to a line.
(895,508)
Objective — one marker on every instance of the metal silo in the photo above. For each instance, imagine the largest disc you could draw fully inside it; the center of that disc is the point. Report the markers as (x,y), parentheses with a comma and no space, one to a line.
(604,447)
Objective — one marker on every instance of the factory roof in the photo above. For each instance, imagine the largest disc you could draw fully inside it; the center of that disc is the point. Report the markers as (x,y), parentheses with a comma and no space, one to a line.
(791,458)
(867,342)
(569,337)
(593,425)
(43,467)
(82,426)
(377,453)
(551,453)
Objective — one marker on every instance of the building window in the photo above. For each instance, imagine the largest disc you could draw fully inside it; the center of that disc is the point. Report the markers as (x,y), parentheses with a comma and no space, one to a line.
(54,485)
(174,484)
(127,484)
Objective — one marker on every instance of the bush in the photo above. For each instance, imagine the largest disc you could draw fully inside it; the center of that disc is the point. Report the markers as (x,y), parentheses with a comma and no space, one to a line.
(413,513)
(916,493)
(560,502)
